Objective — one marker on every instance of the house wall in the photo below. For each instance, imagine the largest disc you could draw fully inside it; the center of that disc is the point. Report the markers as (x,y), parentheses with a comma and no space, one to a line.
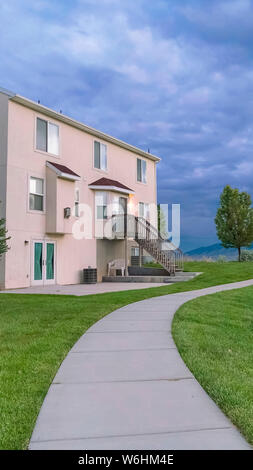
(108,250)
(3,170)
(51,201)
(60,193)
(76,152)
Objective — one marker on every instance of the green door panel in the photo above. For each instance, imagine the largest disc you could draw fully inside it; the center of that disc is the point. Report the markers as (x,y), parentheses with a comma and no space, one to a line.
(38,261)
(50,261)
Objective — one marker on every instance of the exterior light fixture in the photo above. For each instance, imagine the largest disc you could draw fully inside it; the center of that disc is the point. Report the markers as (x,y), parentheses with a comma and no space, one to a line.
(67,212)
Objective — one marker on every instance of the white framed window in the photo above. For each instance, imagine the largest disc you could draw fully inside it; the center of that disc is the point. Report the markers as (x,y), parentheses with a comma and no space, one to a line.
(141,170)
(115,205)
(101,205)
(135,251)
(101,212)
(144,210)
(77,202)
(100,155)
(36,194)
(47,136)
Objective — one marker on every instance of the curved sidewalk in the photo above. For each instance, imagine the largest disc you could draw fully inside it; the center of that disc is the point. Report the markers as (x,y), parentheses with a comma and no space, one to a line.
(124,386)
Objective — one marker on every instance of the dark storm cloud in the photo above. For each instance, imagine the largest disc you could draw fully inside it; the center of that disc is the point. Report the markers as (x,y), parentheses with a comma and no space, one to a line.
(175,77)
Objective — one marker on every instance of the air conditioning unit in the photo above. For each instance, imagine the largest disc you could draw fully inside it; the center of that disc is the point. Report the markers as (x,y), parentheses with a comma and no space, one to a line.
(67,212)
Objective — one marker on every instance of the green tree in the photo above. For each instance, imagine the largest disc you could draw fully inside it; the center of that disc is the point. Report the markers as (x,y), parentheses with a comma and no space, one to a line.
(3,238)
(234,219)
(162,222)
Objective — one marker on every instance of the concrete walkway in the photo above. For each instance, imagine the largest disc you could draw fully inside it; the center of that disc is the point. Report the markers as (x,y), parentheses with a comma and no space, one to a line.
(124,386)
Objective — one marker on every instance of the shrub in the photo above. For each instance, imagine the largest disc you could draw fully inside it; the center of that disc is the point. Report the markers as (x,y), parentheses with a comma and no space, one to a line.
(189,258)
(247,255)
(207,259)
(222,259)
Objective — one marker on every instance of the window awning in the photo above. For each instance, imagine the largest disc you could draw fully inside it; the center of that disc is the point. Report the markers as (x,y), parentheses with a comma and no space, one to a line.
(105,184)
(63,171)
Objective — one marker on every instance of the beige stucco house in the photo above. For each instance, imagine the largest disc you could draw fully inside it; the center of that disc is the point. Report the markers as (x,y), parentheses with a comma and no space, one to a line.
(61,182)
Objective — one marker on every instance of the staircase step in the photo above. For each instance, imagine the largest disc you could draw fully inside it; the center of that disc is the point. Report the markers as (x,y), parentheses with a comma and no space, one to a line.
(165,259)
(146,279)
(151,279)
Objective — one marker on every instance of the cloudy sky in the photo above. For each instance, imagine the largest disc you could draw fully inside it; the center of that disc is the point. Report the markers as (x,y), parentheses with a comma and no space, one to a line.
(172,76)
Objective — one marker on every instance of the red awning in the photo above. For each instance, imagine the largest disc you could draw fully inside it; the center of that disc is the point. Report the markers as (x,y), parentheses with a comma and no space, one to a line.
(110,185)
(63,171)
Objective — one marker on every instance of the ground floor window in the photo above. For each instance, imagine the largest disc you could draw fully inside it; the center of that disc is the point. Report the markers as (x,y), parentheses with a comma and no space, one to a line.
(135,251)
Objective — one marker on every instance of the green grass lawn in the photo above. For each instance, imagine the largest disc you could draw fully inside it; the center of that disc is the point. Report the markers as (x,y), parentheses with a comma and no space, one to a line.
(37,331)
(214,335)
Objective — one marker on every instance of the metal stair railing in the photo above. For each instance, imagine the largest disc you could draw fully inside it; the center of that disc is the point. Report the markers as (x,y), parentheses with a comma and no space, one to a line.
(148,237)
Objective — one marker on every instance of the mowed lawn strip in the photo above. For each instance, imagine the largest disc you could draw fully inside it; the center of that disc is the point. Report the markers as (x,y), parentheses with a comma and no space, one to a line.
(214,335)
(37,331)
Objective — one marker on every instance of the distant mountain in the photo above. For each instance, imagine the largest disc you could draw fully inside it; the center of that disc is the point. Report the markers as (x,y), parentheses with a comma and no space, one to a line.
(213,251)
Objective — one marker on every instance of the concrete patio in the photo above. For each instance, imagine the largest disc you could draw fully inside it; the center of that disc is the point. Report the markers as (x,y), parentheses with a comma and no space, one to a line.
(116,284)
(82,289)
(124,386)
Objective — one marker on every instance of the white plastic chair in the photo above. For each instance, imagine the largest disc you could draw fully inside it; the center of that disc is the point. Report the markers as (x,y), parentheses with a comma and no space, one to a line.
(116,264)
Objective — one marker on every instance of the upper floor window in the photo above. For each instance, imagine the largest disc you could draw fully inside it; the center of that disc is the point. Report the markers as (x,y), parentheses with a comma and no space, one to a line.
(101,205)
(77,202)
(102,212)
(36,194)
(47,137)
(141,170)
(144,210)
(100,156)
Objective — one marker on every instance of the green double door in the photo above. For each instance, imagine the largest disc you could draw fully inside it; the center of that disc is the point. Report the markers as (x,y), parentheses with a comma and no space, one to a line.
(43,262)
